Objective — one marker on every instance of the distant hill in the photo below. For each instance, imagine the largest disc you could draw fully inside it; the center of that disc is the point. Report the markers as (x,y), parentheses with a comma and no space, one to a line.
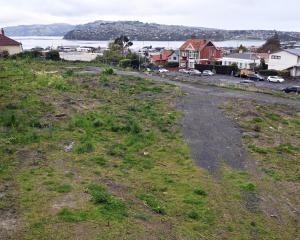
(57,29)
(108,30)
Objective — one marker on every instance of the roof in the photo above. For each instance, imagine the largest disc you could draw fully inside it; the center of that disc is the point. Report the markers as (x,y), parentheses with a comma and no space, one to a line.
(197,44)
(6,41)
(295,51)
(161,56)
(245,56)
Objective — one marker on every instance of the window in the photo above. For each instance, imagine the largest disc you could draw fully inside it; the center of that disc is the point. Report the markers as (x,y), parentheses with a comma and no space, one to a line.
(275,57)
(241,65)
(225,63)
(174,58)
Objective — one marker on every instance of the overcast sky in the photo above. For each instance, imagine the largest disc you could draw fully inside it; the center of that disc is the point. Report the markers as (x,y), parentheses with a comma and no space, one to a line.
(225,14)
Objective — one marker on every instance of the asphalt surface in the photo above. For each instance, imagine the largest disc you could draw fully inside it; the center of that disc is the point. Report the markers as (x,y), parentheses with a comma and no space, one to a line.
(213,138)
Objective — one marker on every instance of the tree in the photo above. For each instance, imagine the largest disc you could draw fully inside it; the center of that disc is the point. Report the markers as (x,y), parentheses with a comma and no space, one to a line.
(271,45)
(242,49)
(124,43)
(263,65)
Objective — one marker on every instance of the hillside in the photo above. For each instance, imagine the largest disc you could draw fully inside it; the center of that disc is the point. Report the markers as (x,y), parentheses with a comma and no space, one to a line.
(58,29)
(104,30)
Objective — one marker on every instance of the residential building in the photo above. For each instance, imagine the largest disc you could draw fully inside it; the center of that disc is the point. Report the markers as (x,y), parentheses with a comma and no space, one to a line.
(287,59)
(174,57)
(198,51)
(160,58)
(242,60)
(9,45)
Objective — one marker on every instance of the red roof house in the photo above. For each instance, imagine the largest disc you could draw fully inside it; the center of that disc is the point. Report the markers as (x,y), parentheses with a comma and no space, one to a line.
(160,58)
(198,51)
(8,44)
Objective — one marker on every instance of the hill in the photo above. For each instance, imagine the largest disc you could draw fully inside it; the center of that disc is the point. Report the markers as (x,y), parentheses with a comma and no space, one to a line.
(57,29)
(107,30)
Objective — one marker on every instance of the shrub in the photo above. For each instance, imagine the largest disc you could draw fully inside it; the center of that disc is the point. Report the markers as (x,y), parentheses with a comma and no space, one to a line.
(4,54)
(125,63)
(268,72)
(200,192)
(85,147)
(248,186)
(153,203)
(108,71)
(53,55)
(193,215)
(72,215)
(99,160)
(171,64)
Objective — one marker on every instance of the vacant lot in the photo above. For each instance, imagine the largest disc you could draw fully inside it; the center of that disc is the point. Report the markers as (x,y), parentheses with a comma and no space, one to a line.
(101,156)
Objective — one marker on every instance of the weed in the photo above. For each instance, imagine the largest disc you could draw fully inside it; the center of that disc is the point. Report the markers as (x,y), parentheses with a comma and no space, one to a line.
(151,201)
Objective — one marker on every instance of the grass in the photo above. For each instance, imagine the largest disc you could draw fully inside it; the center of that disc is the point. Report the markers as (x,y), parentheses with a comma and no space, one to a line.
(105,153)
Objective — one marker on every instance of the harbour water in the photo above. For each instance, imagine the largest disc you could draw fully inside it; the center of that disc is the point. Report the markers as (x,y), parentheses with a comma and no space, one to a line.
(29,42)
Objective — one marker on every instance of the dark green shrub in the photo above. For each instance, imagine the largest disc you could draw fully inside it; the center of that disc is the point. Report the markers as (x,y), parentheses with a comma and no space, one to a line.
(108,71)
(53,55)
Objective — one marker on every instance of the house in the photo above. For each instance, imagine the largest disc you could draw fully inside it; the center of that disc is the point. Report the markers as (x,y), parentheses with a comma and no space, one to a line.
(160,58)
(242,60)
(198,51)
(174,57)
(287,59)
(9,45)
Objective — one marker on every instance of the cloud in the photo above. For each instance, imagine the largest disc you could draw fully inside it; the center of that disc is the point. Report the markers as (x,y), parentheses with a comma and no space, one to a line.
(233,14)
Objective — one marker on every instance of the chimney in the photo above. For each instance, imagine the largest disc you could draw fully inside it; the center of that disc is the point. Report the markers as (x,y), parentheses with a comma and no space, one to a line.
(193,37)
(2,31)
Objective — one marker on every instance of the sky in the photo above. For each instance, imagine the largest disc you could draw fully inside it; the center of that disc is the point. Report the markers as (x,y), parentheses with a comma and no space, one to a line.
(222,14)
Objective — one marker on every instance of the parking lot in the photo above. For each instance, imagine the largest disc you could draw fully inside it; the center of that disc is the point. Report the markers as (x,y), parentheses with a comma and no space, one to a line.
(216,79)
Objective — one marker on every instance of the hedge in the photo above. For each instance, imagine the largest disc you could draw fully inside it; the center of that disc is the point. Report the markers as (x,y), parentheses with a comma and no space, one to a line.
(171,64)
(271,72)
(218,68)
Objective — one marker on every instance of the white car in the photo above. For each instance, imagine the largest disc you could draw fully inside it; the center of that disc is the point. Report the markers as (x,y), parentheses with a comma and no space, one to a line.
(183,70)
(195,72)
(163,70)
(275,79)
(207,73)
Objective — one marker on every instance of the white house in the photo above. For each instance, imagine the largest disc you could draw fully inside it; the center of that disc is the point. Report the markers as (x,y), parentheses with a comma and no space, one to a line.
(287,59)
(9,45)
(243,60)
(174,57)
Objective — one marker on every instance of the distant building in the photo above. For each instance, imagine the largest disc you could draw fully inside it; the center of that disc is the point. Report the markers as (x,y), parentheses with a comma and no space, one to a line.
(9,45)
(287,59)
(198,51)
(242,60)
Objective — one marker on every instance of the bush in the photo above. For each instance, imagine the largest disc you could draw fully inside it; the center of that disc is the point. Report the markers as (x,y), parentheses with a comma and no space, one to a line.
(4,54)
(269,72)
(53,55)
(171,64)
(108,71)
(125,63)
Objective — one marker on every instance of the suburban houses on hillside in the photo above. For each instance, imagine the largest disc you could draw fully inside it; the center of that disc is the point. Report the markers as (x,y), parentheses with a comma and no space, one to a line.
(287,59)
(198,51)
(9,45)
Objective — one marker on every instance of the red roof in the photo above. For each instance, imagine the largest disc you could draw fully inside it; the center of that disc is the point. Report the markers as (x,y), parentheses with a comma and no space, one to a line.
(162,56)
(197,44)
(6,41)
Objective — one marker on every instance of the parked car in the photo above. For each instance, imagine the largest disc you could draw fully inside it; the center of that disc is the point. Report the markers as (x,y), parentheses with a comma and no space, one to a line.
(195,72)
(295,89)
(163,70)
(207,73)
(255,77)
(275,79)
(183,70)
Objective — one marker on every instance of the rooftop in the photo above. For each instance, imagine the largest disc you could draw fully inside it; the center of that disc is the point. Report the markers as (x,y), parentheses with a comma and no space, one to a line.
(246,56)
(295,51)
(6,41)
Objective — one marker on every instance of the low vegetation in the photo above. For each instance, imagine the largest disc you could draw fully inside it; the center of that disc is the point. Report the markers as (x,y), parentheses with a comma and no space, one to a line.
(101,156)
